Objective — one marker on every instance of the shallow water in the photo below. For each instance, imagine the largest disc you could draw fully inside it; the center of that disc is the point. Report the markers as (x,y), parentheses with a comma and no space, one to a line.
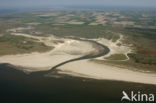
(18,87)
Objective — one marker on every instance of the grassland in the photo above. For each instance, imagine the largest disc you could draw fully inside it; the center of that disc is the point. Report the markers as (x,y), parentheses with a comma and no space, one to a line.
(116,57)
(11,44)
(143,59)
(78,31)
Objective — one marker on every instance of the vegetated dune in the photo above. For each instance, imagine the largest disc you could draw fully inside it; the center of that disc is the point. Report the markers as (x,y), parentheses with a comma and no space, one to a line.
(114,47)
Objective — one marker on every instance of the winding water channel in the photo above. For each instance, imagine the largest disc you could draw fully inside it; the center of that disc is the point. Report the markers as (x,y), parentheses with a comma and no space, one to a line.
(105,51)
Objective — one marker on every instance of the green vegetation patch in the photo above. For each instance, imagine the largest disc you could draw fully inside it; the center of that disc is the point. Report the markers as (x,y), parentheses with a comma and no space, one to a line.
(117,57)
(143,59)
(84,31)
(146,33)
(11,44)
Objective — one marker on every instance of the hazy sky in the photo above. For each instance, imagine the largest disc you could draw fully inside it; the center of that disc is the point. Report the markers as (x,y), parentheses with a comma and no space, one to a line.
(42,3)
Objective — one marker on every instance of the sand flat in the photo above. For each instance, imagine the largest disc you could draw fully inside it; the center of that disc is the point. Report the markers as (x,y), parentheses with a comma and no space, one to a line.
(43,61)
(90,69)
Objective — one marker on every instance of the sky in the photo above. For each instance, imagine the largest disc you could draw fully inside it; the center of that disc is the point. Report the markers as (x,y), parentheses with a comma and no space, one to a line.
(44,3)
